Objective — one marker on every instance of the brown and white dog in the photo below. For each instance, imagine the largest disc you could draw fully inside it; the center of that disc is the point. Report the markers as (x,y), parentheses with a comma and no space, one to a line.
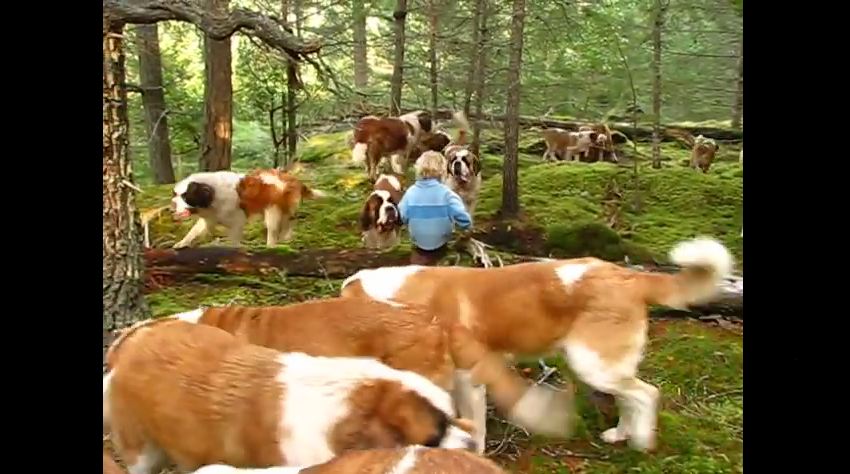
(409,460)
(602,149)
(703,149)
(196,395)
(404,337)
(393,137)
(440,140)
(560,142)
(380,221)
(595,312)
(464,175)
(231,199)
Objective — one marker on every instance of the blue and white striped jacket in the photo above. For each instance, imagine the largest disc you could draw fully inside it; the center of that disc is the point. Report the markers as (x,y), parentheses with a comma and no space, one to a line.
(430,208)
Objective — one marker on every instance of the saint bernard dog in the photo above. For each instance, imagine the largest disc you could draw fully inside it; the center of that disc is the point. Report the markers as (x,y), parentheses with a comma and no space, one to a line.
(409,460)
(230,199)
(593,311)
(395,137)
(569,145)
(196,395)
(602,148)
(404,337)
(380,221)
(463,175)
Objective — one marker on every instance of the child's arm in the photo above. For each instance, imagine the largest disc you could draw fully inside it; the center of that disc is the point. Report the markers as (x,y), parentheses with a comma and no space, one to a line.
(457,211)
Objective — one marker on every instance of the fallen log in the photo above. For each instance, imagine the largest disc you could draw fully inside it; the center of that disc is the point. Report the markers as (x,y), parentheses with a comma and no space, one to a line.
(338,264)
(641,133)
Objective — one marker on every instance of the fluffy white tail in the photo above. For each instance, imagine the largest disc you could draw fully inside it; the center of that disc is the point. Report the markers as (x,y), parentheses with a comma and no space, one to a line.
(704,261)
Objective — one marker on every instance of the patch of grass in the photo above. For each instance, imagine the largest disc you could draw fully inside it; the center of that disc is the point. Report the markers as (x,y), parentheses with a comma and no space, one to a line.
(699,371)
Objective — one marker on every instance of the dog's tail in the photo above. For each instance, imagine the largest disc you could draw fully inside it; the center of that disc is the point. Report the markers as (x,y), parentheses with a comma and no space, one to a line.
(310,193)
(705,262)
(537,408)
(463,126)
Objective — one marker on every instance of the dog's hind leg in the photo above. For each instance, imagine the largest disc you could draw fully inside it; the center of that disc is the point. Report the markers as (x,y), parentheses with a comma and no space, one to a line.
(273,219)
(613,371)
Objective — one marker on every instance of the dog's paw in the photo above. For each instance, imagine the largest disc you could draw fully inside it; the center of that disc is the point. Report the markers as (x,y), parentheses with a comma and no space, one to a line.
(613,435)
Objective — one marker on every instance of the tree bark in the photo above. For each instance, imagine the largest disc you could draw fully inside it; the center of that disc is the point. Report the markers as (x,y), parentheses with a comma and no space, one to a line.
(399,17)
(433,14)
(655,66)
(216,146)
(153,99)
(361,58)
(123,302)
(738,106)
(510,185)
(481,7)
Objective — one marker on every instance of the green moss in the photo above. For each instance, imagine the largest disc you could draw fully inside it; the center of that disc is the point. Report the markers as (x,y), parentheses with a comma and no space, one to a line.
(584,239)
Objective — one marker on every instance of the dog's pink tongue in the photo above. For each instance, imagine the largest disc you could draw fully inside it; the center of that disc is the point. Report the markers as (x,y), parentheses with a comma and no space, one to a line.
(182,214)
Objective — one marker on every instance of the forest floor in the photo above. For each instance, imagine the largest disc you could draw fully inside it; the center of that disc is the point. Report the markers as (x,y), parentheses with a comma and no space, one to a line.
(569,209)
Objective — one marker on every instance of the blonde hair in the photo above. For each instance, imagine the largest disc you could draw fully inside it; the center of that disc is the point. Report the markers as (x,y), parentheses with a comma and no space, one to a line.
(432,164)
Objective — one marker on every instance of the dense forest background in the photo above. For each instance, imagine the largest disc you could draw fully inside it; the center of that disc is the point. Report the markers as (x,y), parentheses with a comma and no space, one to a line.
(587,60)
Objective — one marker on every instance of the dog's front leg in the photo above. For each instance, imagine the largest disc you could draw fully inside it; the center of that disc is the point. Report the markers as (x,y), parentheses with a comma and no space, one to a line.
(235,231)
(200,228)
(471,401)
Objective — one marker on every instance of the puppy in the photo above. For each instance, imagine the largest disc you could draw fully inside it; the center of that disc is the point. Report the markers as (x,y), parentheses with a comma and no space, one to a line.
(380,221)
(395,137)
(405,337)
(440,140)
(196,395)
(409,460)
(594,311)
(567,144)
(463,175)
(230,199)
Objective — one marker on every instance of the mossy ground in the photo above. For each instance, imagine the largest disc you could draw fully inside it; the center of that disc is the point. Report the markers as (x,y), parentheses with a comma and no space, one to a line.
(698,368)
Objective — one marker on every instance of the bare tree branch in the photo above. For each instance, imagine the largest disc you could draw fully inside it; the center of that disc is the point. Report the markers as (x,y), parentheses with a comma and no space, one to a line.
(269,29)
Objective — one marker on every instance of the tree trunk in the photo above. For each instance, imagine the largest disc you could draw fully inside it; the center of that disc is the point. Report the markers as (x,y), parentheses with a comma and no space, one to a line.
(361,58)
(153,99)
(399,16)
(474,50)
(658,24)
(433,13)
(123,302)
(292,86)
(738,106)
(510,185)
(216,146)
(481,7)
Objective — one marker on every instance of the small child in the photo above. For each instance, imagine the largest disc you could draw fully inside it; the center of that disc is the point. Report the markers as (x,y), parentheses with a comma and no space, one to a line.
(430,209)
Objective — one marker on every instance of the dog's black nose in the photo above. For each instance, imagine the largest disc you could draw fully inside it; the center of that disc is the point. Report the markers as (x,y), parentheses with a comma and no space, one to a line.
(457,168)
(471,445)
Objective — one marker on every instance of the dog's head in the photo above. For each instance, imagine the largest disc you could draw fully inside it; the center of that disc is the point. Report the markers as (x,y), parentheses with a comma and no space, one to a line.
(189,196)
(586,138)
(379,212)
(462,164)
(398,416)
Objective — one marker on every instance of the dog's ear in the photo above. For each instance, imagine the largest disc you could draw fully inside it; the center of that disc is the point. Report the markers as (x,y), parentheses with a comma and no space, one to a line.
(199,195)
(425,122)
(593,136)
(411,416)
(476,164)
(367,214)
